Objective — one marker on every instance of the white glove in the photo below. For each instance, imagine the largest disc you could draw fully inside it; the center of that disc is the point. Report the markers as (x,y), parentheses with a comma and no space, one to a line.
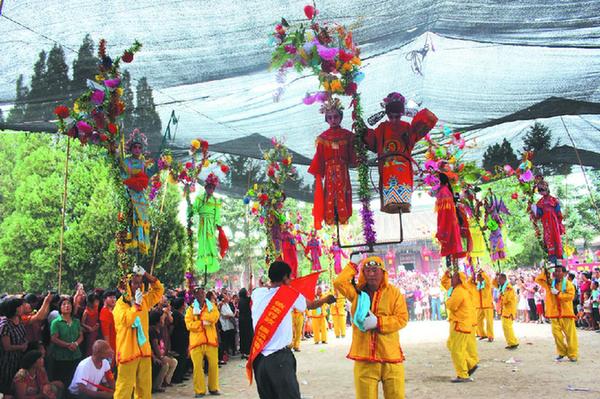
(370,322)
(554,291)
(139,297)
(139,270)
(206,323)
(196,311)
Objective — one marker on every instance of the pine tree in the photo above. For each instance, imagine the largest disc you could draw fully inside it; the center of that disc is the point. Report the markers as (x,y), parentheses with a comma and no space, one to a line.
(39,90)
(146,117)
(1,116)
(57,78)
(17,113)
(84,67)
(127,97)
(539,138)
(499,155)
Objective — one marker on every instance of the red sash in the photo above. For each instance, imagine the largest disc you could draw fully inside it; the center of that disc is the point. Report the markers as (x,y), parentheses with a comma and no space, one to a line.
(277,308)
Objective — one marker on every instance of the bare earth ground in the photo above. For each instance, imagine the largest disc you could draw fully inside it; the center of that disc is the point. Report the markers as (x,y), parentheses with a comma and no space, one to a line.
(324,371)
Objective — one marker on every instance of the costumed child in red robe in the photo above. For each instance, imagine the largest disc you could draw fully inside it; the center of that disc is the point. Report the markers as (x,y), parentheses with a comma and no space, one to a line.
(393,141)
(289,249)
(334,155)
(548,211)
(313,251)
(448,228)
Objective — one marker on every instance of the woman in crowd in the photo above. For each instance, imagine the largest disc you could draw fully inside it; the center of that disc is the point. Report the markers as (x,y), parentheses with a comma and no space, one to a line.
(65,338)
(31,381)
(90,322)
(14,342)
(245,322)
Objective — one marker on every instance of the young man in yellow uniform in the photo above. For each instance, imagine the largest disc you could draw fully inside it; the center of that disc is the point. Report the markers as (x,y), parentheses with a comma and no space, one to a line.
(134,354)
(318,318)
(201,320)
(375,345)
(484,305)
(460,315)
(338,313)
(297,326)
(508,309)
(559,309)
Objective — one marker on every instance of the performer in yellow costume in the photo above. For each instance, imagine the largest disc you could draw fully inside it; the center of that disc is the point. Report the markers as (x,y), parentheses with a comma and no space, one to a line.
(484,304)
(201,320)
(379,311)
(318,318)
(508,306)
(134,355)
(338,313)
(297,324)
(559,309)
(460,309)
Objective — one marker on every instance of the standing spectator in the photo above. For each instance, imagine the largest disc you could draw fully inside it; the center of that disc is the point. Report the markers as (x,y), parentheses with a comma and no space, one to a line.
(530,291)
(90,322)
(595,296)
(66,336)
(14,341)
(245,322)
(31,381)
(435,292)
(180,337)
(587,310)
(107,321)
(585,285)
(538,297)
(79,301)
(33,318)
(227,325)
(523,305)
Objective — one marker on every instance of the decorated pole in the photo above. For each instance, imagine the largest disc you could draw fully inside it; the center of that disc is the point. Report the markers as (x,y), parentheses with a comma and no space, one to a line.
(162,205)
(62,217)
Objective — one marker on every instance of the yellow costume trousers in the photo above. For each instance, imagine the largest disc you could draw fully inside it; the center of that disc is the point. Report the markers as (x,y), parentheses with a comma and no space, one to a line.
(565,337)
(339,325)
(472,354)
(319,326)
(212,356)
(485,323)
(367,376)
(457,345)
(136,373)
(297,322)
(509,332)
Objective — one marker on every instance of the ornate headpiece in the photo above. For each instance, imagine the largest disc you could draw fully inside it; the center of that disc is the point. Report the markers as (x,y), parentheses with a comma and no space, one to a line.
(394,102)
(137,137)
(212,180)
(332,104)
(373,261)
(541,184)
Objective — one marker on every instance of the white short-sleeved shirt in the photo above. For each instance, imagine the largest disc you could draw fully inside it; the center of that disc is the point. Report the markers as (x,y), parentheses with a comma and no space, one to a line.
(86,370)
(283,336)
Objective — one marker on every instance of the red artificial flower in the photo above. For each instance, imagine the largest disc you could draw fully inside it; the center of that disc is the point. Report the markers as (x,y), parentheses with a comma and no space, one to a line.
(112,128)
(328,66)
(351,89)
(61,111)
(280,30)
(103,137)
(271,172)
(263,198)
(127,57)
(485,178)
(461,167)
(224,168)
(286,161)
(204,145)
(345,57)
(72,132)
(188,165)
(310,12)
(514,196)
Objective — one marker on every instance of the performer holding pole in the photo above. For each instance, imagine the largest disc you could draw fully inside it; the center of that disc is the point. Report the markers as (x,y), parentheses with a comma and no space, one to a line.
(484,304)
(508,304)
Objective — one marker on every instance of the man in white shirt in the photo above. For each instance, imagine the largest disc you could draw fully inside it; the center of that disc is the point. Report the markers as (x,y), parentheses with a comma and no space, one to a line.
(93,377)
(275,367)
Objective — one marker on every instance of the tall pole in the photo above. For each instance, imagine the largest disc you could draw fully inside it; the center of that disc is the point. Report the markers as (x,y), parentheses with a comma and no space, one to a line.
(63,211)
(162,205)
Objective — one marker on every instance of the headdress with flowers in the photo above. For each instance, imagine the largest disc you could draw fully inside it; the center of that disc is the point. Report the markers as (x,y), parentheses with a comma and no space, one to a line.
(211,180)
(137,137)
(393,97)
(331,105)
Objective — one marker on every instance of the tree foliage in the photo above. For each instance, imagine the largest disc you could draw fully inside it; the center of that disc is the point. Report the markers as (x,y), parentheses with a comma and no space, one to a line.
(499,155)
(539,138)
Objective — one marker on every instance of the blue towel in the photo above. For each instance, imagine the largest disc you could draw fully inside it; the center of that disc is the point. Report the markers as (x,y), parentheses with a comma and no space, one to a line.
(209,305)
(480,285)
(363,305)
(140,331)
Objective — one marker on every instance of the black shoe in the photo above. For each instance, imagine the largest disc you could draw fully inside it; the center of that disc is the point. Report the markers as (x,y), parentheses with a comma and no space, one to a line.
(558,358)
(459,380)
(573,359)
(472,370)
(512,347)
(214,393)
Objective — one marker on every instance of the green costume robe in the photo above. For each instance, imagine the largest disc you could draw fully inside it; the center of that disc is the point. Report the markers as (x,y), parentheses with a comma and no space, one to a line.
(209,217)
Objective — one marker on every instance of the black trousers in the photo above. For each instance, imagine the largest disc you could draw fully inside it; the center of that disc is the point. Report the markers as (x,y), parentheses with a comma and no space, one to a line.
(532,309)
(276,375)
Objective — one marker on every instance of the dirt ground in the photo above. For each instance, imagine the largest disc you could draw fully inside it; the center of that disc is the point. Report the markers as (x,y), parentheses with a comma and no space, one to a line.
(529,372)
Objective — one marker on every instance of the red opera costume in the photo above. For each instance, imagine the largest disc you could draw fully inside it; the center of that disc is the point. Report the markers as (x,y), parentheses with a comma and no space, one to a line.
(334,155)
(448,229)
(548,211)
(289,251)
(394,148)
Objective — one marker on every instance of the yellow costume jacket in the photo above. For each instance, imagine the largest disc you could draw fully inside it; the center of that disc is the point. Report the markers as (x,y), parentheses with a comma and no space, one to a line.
(125,314)
(383,343)
(201,334)
(483,297)
(508,301)
(315,314)
(339,307)
(560,305)
(461,309)
(471,290)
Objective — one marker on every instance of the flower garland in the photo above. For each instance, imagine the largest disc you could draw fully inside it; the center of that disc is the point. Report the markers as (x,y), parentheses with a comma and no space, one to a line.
(96,118)
(267,198)
(329,52)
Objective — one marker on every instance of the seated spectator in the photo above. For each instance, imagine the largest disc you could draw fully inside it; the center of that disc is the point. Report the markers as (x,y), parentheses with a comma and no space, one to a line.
(31,381)
(160,361)
(93,377)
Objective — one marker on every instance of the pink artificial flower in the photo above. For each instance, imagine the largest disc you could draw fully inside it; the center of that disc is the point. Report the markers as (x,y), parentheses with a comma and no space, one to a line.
(526,177)
(327,53)
(97,97)
(112,83)
(431,164)
(84,127)
(508,170)
(290,49)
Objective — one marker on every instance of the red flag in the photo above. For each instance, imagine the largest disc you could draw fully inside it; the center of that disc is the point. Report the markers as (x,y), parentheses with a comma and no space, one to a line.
(223,242)
(306,285)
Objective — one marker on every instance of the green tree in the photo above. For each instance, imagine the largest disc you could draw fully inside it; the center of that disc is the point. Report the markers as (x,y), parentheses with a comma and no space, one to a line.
(499,155)
(57,81)
(146,117)
(17,112)
(1,116)
(85,66)
(129,115)
(539,138)
(38,94)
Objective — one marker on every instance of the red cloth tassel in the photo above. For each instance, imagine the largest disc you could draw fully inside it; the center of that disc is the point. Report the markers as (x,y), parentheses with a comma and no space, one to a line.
(223,242)
(318,210)
(137,182)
